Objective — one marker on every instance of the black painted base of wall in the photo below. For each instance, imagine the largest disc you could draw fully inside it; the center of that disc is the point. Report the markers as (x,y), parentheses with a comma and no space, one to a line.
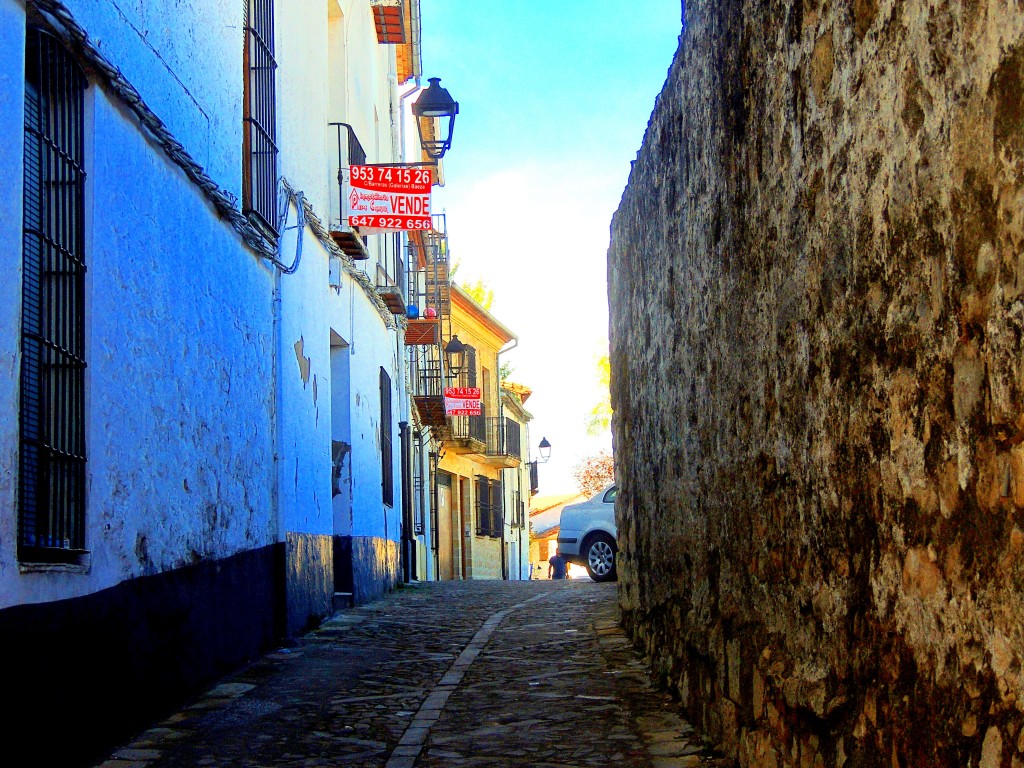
(365,566)
(84,674)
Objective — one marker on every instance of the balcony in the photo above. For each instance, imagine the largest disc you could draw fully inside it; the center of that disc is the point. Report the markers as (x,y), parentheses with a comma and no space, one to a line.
(491,439)
(468,435)
(389,20)
(504,444)
(350,152)
(391,276)
(429,286)
(429,325)
(427,373)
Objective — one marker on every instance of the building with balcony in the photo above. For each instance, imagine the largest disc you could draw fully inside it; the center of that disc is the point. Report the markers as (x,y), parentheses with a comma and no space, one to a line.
(206,428)
(479,457)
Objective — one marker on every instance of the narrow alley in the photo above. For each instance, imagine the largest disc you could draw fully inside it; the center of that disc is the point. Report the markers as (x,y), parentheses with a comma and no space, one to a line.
(444,674)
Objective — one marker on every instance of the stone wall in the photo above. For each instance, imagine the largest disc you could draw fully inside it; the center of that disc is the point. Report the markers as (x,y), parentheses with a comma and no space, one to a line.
(816,281)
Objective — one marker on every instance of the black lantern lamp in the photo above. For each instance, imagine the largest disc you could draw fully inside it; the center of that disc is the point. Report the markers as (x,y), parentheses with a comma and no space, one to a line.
(435,112)
(455,351)
(545,450)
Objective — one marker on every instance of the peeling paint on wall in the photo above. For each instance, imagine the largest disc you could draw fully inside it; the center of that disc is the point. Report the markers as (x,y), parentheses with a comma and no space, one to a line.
(339,451)
(303,361)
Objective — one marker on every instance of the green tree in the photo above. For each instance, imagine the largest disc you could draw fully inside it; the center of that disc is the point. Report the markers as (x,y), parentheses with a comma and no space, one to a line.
(600,418)
(481,293)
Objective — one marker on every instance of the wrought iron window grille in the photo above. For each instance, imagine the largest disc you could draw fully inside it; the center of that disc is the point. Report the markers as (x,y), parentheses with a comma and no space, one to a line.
(52,456)
(259,171)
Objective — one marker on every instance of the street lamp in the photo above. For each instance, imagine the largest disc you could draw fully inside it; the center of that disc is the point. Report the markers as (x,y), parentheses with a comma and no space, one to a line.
(435,112)
(455,351)
(545,450)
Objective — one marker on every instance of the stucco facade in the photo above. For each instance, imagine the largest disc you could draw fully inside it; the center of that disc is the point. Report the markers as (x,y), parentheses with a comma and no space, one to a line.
(233,405)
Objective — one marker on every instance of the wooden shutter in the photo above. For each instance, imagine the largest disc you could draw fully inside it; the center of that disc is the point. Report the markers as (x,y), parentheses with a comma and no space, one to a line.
(497,507)
(483,506)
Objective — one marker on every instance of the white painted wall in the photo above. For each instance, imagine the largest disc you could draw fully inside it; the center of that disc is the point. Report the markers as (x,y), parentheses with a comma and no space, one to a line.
(185,59)
(12,118)
(310,311)
(179,414)
(192,390)
(308,71)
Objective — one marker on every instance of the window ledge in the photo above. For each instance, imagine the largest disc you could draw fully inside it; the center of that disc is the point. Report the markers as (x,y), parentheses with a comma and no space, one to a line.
(82,567)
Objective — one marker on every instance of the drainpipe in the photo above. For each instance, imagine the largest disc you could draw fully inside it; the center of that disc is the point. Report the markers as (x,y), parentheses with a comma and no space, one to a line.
(408,536)
(401,111)
(277,380)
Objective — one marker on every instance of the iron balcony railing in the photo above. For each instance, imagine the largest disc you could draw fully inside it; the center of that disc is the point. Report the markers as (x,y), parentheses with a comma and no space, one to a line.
(427,369)
(429,278)
(503,437)
(350,152)
(513,439)
(469,428)
(391,276)
(497,435)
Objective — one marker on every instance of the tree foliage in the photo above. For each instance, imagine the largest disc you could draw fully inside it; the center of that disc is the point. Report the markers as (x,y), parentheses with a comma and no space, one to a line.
(594,473)
(600,418)
(480,293)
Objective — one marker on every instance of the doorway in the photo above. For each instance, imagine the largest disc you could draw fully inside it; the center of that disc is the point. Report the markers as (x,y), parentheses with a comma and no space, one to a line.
(445,559)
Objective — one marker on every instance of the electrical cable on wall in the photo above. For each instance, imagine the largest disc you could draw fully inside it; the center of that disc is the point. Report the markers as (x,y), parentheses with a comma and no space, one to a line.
(297,197)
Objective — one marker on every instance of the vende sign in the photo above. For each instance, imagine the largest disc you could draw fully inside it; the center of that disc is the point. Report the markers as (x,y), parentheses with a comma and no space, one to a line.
(389,197)
(462,401)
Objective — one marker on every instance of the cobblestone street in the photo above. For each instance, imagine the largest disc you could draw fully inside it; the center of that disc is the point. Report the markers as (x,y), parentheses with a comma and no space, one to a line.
(443,674)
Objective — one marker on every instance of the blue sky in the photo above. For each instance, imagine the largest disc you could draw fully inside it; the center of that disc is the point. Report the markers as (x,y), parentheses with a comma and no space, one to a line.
(554,99)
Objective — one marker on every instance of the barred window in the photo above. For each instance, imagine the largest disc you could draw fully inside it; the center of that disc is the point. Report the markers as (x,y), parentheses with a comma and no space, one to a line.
(51,492)
(259,113)
(386,467)
(488,507)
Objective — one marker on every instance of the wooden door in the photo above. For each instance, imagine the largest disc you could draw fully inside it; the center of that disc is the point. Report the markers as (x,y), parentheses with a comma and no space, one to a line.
(445,561)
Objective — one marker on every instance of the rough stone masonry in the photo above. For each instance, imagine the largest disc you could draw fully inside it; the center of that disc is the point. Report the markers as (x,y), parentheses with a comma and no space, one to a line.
(816,281)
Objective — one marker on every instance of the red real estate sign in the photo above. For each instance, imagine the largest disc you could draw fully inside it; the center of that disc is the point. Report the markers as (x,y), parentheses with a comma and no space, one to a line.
(462,401)
(389,198)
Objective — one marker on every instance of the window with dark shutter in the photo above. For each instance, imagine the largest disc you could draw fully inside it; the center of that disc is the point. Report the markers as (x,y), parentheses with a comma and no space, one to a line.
(497,509)
(51,487)
(386,468)
(259,114)
(469,374)
(483,506)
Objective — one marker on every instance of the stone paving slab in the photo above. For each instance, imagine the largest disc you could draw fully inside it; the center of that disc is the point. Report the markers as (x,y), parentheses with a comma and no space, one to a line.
(473,674)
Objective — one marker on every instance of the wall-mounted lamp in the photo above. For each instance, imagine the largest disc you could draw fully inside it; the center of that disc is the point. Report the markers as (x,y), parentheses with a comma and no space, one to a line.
(455,351)
(435,112)
(545,450)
